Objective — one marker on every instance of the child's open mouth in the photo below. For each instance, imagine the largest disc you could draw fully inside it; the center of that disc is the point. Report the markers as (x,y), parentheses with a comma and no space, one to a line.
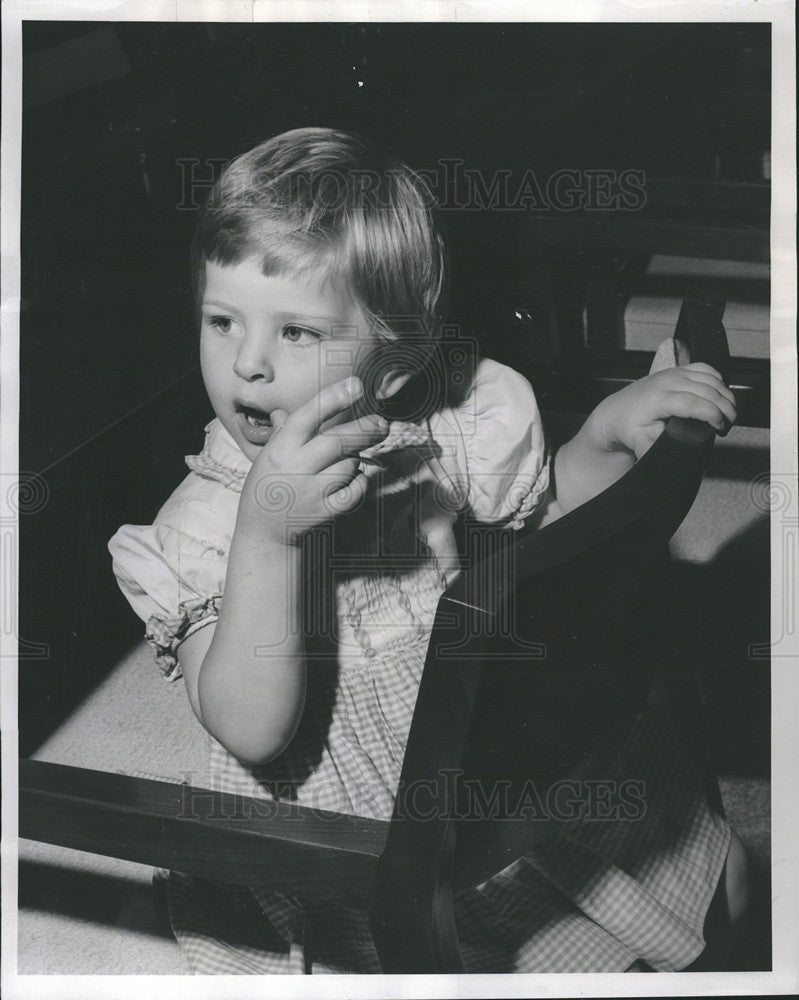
(255,424)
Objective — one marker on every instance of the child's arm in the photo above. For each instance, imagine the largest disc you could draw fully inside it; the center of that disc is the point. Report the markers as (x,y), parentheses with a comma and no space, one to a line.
(624,425)
(246,675)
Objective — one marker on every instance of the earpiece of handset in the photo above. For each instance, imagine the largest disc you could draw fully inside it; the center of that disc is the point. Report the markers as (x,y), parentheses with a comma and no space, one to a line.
(371,373)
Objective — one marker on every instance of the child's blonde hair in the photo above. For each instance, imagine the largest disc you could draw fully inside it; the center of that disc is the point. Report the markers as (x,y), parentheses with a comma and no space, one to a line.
(316,199)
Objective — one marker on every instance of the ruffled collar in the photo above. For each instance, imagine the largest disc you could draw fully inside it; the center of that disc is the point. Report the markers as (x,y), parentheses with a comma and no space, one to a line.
(222,460)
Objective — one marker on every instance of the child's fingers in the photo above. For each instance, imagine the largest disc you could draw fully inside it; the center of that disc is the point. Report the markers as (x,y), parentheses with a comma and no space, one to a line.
(697,373)
(706,384)
(718,394)
(339,474)
(728,407)
(707,378)
(696,407)
(348,497)
(347,439)
(306,420)
(700,366)
(279,418)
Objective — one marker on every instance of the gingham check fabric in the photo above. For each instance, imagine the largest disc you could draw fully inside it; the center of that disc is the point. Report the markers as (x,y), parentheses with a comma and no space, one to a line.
(596,896)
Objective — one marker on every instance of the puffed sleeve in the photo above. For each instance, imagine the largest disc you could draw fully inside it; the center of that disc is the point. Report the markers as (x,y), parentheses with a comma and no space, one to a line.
(502,464)
(173,575)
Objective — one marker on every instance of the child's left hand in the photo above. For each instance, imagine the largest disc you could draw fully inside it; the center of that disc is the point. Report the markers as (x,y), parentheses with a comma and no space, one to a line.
(633,418)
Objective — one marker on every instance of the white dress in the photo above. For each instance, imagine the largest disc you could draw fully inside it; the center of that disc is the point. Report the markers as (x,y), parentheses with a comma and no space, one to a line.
(598,898)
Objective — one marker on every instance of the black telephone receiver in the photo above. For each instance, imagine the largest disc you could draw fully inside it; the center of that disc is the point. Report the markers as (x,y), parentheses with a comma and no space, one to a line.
(423,393)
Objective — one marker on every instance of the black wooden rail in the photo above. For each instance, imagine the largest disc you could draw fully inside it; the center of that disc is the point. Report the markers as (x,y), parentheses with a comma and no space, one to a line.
(167,825)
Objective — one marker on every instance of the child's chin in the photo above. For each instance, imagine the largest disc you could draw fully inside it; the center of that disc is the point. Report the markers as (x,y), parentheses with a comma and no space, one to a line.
(252,451)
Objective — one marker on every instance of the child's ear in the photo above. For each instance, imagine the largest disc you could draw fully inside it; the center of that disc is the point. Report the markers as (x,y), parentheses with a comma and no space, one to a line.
(390,384)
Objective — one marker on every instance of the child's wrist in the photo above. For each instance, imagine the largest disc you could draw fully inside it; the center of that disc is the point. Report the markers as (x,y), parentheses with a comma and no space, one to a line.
(255,528)
(601,428)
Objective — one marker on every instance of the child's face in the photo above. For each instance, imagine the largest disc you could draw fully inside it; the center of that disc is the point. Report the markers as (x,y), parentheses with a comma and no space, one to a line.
(270,343)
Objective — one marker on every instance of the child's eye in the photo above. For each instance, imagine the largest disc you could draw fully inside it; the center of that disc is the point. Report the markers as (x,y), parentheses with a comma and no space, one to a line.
(301,335)
(223,324)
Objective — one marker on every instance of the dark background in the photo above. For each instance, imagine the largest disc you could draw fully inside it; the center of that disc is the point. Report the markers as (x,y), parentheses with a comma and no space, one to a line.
(110,387)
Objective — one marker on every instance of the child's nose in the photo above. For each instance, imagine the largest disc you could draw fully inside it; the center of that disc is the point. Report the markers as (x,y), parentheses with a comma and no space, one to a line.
(253,360)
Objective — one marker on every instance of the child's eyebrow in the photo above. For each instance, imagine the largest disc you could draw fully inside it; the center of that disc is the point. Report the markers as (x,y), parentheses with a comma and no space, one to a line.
(309,318)
(219,305)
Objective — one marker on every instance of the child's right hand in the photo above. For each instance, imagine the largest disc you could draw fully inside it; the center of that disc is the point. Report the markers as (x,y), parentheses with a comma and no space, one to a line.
(305,476)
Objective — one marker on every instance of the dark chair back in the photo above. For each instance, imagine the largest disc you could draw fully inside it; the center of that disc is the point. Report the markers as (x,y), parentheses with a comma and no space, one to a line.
(537,666)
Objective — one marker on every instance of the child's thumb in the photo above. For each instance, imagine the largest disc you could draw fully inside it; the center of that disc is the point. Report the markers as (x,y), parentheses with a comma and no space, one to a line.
(279,418)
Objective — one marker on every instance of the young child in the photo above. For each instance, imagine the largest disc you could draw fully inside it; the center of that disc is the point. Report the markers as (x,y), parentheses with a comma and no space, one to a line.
(320,282)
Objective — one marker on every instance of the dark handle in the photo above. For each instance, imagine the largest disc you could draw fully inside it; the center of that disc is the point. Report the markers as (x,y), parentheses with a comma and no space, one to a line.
(701,331)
